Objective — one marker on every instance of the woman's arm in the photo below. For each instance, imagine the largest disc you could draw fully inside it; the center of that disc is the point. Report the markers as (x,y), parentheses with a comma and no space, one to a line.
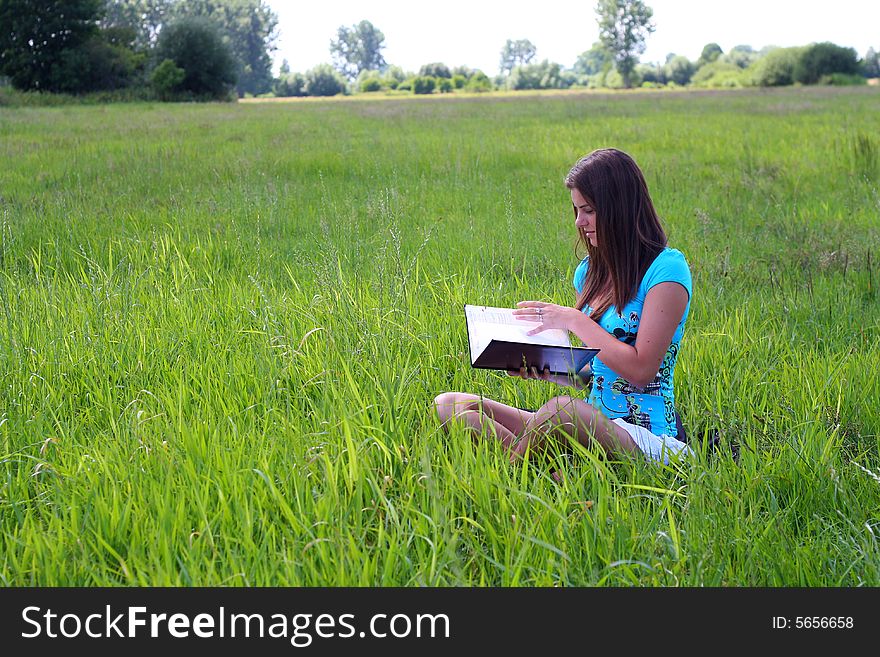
(639,363)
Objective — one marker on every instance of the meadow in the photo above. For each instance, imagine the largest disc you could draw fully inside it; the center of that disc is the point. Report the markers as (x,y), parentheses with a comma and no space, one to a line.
(223,327)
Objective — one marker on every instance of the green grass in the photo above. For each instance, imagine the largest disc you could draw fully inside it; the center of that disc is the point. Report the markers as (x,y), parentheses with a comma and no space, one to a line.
(223,327)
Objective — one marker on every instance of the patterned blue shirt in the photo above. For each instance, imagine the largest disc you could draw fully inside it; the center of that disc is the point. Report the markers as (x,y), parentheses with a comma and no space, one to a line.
(653,406)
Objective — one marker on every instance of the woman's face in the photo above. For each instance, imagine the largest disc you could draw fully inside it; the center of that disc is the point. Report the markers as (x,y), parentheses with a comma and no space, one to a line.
(586,216)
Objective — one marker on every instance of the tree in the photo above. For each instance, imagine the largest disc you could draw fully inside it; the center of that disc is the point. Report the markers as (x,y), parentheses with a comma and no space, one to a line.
(290,84)
(285,68)
(145,17)
(871,64)
(742,56)
(435,70)
(718,74)
(423,85)
(195,45)
(166,79)
(651,73)
(38,40)
(820,59)
(711,52)
(624,25)
(250,29)
(679,69)
(248,26)
(358,48)
(546,75)
(516,53)
(593,61)
(324,80)
(105,61)
(479,82)
(776,67)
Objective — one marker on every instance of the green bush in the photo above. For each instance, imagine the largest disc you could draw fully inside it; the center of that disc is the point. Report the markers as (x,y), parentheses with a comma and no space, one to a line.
(459,81)
(194,44)
(371,84)
(719,74)
(843,79)
(290,84)
(444,85)
(479,83)
(651,73)
(679,69)
(324,80)
(392,77)
(11,97)
(406,85)
(545,75)
(741,56)
(106,62)
(820,59)
(166,79)
(435,70)
(423,84)
(776,68)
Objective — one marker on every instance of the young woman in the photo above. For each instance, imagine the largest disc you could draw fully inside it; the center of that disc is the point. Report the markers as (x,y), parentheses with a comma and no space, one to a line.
(632,302)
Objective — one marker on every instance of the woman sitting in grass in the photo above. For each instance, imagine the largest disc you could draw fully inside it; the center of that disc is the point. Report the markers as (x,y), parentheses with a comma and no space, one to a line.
(633,296)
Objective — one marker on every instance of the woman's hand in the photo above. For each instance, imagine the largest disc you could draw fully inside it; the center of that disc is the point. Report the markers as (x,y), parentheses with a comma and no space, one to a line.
(549,315)
(559,379)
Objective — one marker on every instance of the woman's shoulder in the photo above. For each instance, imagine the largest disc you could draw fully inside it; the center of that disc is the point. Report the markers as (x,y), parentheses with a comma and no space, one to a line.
(669,265)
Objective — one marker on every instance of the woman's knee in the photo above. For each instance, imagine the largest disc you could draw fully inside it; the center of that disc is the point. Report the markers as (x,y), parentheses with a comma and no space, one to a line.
(557,410)
(449,404)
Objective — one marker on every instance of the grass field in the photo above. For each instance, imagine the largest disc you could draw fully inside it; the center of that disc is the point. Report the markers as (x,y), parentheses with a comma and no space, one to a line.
(223,327)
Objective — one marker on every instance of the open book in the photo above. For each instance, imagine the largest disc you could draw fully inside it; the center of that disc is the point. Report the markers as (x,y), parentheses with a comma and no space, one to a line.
(498,341)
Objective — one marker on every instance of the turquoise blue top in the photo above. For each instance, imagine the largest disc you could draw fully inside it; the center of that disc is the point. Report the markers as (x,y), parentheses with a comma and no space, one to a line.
(653,406)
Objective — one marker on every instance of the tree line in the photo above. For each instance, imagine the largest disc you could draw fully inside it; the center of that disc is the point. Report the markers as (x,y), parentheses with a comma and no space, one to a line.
(611,62)
(215,49)
(171,49)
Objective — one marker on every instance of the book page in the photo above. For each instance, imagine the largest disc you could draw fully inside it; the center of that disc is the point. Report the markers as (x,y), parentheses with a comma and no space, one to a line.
(487,323)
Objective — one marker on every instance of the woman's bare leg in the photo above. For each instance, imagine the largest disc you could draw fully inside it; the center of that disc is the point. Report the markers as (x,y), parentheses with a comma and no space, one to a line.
(484,416)
(573,419)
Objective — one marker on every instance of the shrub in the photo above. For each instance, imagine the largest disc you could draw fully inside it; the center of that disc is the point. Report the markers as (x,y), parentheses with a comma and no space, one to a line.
(820,59)
(423,85)
(406,85)
(324,80)
(614,80)
(393,76)
(435,70)
(479,83)
(444,85)
(651,73)
(371,84)
(546,75)
(166,79)
(106,61)
(741,56)
(842,79)
(290,84)
(776,68)
(459,81)
(194,44)
(718,74)
(679,69)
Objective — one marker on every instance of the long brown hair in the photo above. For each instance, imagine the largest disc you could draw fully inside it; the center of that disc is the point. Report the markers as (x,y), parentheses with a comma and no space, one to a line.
(628,231)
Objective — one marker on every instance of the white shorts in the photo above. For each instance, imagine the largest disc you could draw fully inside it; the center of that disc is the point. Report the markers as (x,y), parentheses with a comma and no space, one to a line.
(654,447)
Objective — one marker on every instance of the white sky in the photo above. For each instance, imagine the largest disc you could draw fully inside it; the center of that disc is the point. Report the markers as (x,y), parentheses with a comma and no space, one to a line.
(472,32)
